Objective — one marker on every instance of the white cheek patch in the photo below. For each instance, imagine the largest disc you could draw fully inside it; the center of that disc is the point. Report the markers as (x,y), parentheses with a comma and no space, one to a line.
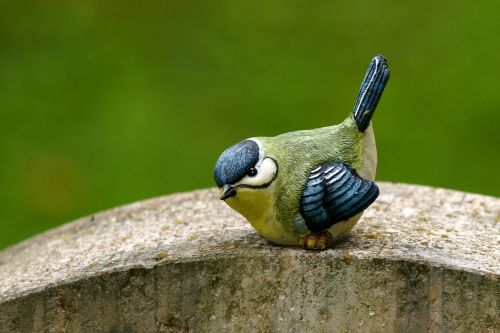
(266,172)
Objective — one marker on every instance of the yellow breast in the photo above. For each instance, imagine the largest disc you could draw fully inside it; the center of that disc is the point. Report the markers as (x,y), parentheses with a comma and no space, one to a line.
(257,206)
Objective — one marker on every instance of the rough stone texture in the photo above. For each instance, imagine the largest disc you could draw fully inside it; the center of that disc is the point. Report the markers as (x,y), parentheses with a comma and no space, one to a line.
(420,260)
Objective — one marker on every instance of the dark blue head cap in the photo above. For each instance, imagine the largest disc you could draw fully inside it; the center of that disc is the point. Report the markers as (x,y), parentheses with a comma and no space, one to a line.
(235,161)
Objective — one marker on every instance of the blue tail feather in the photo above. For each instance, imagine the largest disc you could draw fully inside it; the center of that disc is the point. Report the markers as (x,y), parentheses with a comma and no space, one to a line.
(370,92)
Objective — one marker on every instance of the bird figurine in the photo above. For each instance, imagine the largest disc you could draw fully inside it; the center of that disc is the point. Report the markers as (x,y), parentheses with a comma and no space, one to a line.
(307,188)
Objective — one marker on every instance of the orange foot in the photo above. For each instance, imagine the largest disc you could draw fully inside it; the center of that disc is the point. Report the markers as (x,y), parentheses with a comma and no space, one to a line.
(316,240)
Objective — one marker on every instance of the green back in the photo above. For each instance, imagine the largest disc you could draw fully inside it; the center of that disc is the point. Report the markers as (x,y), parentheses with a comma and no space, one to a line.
(297,153)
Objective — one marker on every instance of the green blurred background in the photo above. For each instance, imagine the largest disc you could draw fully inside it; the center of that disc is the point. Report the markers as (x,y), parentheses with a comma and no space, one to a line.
(103,103)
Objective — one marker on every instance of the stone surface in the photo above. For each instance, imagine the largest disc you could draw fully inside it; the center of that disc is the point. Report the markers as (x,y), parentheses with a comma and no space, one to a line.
(420,260)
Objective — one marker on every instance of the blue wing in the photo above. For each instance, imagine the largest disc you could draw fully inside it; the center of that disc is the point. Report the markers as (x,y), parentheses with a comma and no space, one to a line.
(334,192)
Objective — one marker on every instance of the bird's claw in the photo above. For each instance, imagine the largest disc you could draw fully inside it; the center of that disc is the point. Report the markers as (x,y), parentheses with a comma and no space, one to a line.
(316,240)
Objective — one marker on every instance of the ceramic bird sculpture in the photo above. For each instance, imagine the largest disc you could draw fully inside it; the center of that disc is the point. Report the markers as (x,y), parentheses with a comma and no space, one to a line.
(307,188)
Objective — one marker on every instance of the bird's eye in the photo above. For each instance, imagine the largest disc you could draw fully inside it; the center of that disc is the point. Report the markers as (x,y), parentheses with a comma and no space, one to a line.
(251,171)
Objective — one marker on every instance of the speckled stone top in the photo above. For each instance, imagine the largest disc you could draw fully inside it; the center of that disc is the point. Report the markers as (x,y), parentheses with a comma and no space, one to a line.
(443,228)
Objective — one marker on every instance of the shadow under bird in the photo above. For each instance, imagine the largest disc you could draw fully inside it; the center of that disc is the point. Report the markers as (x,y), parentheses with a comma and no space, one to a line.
(307,188)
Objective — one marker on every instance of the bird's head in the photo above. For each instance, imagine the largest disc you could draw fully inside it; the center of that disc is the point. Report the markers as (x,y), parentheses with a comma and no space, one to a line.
(243,167)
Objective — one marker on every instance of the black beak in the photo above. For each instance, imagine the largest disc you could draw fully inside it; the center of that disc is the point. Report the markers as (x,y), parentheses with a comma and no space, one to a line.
(227,191)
